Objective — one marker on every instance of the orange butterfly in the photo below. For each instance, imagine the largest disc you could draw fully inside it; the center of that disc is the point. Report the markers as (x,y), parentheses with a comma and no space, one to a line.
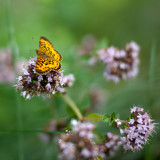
(48,58)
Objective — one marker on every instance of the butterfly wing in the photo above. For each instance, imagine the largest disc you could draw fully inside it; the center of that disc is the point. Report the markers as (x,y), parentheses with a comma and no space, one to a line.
(48,58)
(45,65)
(46,47)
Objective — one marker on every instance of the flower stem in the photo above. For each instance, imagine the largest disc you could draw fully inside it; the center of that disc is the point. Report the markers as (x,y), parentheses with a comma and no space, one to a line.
(14,49)
(73,106)
(92,118)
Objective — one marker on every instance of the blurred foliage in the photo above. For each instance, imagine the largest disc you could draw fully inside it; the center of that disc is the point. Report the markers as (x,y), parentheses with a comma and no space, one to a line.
(65,23)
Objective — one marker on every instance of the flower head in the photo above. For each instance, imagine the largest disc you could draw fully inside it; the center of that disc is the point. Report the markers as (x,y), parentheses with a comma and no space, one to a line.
(7,74)
(138,129)
(84,129)
(111,143)
(87,45)
(33,84)
(78,143)
(81,142)
(120,64)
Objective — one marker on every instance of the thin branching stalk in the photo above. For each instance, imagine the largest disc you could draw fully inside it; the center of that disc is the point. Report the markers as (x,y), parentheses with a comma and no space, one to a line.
(152,72)
(91,118)
(148,152)
(30,131)
(73,106)
(14,49)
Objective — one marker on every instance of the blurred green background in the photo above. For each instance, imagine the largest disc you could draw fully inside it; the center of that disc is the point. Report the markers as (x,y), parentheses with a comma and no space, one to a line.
(65,23)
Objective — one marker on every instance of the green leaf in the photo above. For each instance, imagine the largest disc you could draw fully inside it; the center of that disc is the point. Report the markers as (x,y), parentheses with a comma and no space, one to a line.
(94,117)
(106,117)
(130,116)
(68,128)
(117,116)
(99,158)
(113,115)
(113,123)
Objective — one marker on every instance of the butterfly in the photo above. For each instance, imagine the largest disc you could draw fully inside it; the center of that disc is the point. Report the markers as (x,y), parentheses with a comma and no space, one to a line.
(48,58)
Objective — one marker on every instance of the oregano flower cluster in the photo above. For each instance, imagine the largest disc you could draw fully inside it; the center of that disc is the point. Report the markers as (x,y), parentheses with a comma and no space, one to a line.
(81,142)
(80,139)
(120,64)
(136,130)
(31,84)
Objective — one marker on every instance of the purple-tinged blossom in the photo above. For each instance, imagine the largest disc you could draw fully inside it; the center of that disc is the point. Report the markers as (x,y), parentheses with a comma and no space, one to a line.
(23,93)
(74,122)
(40,78)
(48,86)
(85,147)
(131,121)
(7,74)
(28,96)
(49,79)
(136,109)
(80,138)
(36,85)
(69,79)
(118,121)
(25,72)
(137,130)
(84,129)
(120,64)
(87,45)
(61,90)
(93,60)
(68,148)
(28,80)
(111,144)
(19,78)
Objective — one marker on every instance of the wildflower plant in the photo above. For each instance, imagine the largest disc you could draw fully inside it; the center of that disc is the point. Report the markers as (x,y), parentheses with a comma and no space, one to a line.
(79,139)
(119,63)
(32,84)
(134,134)
(81,142)
(136,130)
(6,66)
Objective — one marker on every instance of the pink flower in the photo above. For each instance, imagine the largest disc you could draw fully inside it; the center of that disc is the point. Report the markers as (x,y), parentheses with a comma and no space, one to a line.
(35,85)
(138,129)
(120,64)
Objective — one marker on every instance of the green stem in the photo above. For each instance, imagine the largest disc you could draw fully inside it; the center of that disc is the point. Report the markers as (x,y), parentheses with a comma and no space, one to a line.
(14,49)
(73,106)
(29,131)
(151,90)
(92,118)
(20,127)
(152,74)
